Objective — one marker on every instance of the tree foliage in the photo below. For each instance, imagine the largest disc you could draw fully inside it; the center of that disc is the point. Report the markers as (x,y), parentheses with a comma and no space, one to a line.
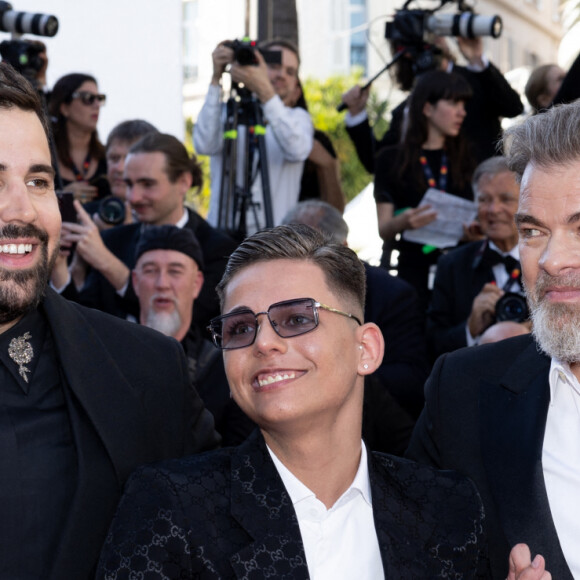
(322,98)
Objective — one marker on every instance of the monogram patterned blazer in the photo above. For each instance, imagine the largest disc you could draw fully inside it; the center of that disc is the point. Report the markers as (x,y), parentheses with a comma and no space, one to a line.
(226,514)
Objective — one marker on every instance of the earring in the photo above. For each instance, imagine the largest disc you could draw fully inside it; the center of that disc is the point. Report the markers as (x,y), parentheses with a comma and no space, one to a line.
(365,366)
(360,347)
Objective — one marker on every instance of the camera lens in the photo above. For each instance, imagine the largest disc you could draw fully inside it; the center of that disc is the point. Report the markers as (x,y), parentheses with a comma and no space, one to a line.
(511,306)
(112,210)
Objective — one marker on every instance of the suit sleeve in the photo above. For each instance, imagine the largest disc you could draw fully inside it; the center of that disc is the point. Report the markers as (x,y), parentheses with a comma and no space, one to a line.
(149,536)
(424,447)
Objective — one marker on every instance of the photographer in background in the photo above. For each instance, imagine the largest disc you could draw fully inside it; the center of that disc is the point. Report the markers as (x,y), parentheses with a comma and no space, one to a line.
(289,130)
(470,279)
(493,98)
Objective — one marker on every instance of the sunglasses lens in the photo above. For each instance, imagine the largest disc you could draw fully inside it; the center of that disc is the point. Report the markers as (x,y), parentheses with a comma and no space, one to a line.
(235,330)
(294,318)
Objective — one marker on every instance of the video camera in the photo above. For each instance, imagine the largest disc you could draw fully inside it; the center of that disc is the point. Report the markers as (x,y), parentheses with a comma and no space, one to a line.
(412,31)
(24,55)
(245,52)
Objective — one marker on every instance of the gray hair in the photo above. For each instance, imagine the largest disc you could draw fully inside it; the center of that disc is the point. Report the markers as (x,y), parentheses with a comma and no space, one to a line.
(492,166)
(321,216)
(550,138)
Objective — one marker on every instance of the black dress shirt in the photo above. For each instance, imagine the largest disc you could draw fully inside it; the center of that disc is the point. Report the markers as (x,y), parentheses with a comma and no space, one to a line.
(38,462)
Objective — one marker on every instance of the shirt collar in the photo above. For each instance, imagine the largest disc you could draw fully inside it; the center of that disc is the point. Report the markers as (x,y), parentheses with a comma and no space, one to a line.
(298,491)
(183,219)
(514,252)
(560,373)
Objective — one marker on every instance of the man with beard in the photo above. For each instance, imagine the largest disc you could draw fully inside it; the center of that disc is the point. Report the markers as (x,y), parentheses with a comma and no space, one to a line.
(508,414)
(84,399)
(167,280)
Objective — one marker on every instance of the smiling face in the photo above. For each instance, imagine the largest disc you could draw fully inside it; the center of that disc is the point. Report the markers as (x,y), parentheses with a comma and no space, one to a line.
(282,383)
(155,199)
(549,227)
(497,202)
(167,282)
(29,215)
(81,115)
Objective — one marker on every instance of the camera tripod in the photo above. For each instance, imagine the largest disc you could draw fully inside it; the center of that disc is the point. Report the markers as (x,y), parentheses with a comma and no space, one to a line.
(236,201)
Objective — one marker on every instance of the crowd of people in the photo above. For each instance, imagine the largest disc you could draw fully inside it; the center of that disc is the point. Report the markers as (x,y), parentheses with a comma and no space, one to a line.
(192,398)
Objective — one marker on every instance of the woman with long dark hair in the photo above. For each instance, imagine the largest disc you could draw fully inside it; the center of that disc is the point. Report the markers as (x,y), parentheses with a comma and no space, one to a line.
(432,153)
(74,106)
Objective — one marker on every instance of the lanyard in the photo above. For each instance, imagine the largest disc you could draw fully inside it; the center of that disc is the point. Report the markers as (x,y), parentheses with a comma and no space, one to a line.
(429,174)
(86,163)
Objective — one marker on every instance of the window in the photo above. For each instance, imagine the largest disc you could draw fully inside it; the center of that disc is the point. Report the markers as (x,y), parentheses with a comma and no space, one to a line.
(358,41)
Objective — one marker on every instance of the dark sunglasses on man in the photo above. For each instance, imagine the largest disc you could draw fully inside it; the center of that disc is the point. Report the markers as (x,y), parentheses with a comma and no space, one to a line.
(289,318)
(87,98)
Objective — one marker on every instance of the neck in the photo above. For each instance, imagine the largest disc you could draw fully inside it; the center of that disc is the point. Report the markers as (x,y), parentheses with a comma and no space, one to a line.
(506,245)
(434,141)
(78,138)
(325,461)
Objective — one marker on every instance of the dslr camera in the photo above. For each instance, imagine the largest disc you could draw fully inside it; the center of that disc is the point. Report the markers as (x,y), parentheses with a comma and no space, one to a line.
(512,306)
(24,55)
(245,52)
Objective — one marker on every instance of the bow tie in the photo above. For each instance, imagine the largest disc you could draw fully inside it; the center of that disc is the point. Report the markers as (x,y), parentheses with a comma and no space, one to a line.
(490,258)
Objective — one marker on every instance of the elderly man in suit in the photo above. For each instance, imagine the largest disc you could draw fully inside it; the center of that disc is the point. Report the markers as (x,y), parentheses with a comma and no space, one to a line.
(85,397)
(302,497)
(507,414)
(471,279)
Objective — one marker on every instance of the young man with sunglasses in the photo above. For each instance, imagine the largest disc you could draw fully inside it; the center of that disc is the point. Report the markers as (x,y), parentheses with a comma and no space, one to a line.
(302,497)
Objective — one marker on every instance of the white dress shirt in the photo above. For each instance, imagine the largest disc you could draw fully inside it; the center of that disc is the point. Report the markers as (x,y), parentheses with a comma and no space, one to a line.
(561,460)
(340,542)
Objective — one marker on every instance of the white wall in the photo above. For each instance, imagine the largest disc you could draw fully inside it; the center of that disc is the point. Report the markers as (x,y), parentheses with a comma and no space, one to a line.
(132,47)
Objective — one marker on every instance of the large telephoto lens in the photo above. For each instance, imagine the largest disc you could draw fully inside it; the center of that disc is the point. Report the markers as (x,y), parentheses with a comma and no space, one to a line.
(28,23)
(466,25)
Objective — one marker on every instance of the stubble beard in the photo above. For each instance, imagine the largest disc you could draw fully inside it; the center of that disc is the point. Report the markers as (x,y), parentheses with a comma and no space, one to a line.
(556,326)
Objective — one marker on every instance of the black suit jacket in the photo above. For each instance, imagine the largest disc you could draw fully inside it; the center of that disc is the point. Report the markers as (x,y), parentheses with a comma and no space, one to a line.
(122,241)
(485,416)
(129,403)
(393,305)
(459,279)
(228,515)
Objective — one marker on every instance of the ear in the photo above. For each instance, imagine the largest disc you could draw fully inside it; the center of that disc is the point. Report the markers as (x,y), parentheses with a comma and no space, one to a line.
(428,110)
(64,107)
(135,280)
(185,180)
(373,348)
(198,284)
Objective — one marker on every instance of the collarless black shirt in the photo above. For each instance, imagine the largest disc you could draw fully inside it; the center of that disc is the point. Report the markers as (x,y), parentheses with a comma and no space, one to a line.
(38,463)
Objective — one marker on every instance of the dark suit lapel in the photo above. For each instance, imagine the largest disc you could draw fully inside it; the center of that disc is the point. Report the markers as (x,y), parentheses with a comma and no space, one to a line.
(123,434)
(263,508)
(513,421)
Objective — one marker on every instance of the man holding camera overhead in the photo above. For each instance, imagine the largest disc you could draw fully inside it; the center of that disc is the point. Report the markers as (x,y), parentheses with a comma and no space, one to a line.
(288,135)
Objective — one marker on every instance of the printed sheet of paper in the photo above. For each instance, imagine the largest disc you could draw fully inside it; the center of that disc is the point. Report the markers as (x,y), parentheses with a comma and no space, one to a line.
(447,229)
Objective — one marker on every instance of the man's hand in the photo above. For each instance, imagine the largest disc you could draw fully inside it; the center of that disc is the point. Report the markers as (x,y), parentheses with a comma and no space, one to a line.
(483,309)
(254,78)
(522,567)
(472,50)
(355,99)
(221,57)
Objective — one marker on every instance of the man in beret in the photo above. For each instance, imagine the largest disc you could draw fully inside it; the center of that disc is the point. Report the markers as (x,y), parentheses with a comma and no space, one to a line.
(167,279)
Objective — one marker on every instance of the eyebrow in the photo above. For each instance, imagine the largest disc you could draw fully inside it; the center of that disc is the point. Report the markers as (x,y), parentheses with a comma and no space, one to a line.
(36,168)
(521,219)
